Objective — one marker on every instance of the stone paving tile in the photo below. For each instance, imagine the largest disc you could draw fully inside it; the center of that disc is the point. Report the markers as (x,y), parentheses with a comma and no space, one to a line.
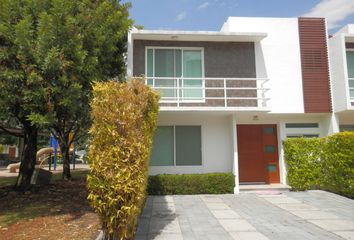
(334,225)
(296,206)
(236,225)
(165,226)
(340,206)
(166,236)
(211,199)
(163,199)
(248,236)
(279,200)
(225,214)
(314,214)
(346,234)
(217,206)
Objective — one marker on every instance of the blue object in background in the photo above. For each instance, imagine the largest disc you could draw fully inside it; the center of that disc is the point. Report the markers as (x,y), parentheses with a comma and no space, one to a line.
(54,144)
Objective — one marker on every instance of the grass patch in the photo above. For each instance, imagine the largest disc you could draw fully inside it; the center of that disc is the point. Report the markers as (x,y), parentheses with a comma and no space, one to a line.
(27,212)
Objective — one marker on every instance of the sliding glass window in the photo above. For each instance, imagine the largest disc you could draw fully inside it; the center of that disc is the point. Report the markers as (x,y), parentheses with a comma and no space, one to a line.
(177,145)
(169,69)
(350,67)
(163,147)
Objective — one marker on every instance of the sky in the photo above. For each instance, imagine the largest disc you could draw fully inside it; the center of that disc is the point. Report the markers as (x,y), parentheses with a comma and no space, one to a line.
(209,15)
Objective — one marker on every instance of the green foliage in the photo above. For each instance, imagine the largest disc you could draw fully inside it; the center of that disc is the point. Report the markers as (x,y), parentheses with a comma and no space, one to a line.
(321,163)
(338,167)
(124,119)
(208,183)
(51,52)
(303,160)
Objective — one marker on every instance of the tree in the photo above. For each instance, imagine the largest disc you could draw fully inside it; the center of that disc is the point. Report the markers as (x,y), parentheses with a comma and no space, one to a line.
(72,44)
(21,85)
(88,45)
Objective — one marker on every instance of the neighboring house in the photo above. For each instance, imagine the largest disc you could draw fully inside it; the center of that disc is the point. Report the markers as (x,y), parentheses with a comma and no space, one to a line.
(229,98)
(341,49)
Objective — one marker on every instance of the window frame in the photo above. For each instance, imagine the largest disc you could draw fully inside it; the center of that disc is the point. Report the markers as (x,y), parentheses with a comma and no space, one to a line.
(302,135)
(201,49)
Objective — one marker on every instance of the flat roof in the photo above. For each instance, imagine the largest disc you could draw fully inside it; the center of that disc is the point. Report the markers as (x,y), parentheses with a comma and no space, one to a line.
(212,36)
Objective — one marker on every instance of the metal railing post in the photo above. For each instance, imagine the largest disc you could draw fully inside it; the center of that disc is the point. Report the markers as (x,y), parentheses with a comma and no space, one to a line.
(178,92)
(225,93)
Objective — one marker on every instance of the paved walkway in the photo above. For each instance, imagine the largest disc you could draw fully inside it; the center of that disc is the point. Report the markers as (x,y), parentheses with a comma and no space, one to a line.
(248,216)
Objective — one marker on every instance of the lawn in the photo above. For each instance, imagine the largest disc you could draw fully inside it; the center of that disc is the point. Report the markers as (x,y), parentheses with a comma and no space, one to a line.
(56,211)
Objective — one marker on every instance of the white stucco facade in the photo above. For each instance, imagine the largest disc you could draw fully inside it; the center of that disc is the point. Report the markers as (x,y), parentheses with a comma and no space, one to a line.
(216,135)
(277,57)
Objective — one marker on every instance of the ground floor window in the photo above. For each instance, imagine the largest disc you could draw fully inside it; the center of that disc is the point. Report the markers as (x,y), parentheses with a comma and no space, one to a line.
(177,146)
(346,127)
(305,130)
(302,135)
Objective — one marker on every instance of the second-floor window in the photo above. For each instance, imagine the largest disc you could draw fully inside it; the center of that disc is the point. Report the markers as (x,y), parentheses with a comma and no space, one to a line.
(350,67)
(176,72)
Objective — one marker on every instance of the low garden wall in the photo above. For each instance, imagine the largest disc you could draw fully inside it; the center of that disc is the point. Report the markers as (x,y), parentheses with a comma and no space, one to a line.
(321,163)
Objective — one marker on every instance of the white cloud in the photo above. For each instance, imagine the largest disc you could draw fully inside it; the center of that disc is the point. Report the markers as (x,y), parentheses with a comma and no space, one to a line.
(181,16)
(334,10)
(204,5)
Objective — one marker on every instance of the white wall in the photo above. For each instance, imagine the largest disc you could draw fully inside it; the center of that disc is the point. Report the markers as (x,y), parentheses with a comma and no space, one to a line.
(278,57)
(217,149)
(349,28)
(130,54)
(339,74)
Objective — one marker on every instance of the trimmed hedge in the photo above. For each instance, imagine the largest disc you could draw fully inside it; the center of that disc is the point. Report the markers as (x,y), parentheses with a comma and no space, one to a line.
(208,183)
(303,160)
(338,167)
(321,163)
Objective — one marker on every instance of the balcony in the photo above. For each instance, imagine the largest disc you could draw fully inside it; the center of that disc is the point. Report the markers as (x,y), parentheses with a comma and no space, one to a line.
(211,93)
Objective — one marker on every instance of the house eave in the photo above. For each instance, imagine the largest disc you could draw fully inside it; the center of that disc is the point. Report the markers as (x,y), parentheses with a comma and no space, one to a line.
(212,36)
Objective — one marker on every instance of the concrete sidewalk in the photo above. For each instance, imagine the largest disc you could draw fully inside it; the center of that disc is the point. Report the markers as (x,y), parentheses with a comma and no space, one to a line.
(251,216)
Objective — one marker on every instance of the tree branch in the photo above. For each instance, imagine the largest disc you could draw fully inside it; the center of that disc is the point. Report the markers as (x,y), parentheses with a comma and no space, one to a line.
(21,135)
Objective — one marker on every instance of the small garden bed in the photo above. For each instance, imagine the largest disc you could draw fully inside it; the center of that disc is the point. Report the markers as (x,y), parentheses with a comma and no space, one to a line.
(56,211)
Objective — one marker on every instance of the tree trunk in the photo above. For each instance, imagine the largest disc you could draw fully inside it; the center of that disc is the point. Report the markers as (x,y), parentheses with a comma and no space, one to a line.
(64,150)
(28,157)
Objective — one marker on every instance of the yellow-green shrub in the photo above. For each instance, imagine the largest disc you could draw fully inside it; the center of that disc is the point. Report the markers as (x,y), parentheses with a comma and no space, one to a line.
(321,163)
(338,167)
(303,161)
(124,119)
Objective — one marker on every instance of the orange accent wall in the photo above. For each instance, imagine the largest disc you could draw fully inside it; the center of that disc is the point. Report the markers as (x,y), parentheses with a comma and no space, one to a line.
(314,64)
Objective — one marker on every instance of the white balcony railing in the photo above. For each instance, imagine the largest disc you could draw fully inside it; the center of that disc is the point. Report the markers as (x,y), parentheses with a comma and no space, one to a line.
(211,92)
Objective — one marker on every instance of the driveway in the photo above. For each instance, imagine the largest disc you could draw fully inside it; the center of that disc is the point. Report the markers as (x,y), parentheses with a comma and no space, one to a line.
(251,216)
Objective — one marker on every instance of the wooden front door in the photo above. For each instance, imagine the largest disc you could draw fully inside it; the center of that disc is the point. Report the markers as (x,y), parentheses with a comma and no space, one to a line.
(258,153)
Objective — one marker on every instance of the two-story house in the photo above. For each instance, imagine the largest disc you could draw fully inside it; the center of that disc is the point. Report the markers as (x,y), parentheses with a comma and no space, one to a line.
(341,49)
(229,98)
